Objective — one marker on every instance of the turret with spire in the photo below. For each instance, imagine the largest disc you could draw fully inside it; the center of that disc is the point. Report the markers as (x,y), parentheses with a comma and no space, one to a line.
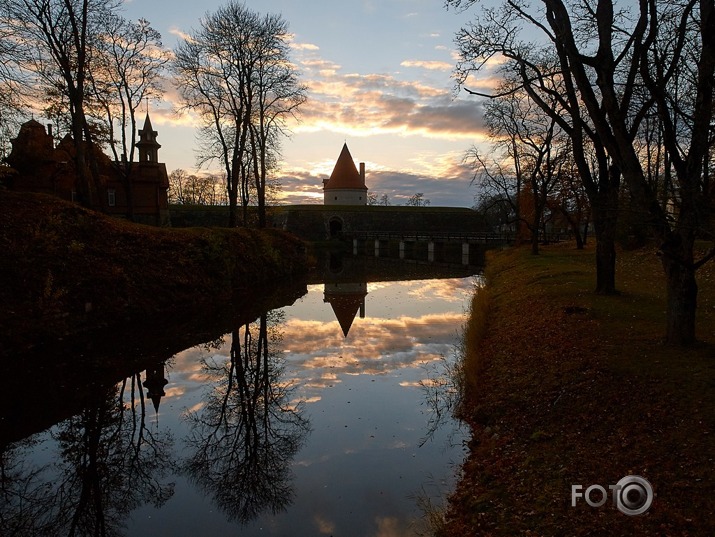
(346,186)
(147,144)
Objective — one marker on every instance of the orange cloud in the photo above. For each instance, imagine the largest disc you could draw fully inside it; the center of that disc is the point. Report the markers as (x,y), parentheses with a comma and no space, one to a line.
(428,64)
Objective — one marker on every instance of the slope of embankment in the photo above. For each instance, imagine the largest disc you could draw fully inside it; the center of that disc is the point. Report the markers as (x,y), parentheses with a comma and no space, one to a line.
(66,270)
(567,389)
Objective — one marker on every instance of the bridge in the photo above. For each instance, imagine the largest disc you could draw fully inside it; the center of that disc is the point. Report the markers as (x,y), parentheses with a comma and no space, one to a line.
(437,242)
(471,237)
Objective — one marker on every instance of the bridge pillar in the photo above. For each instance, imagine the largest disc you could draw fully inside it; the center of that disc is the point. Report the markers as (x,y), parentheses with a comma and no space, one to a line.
(465,253)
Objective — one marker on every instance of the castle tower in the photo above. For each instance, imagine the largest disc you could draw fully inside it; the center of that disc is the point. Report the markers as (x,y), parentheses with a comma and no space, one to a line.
(154,384)
(346,299)
(147,144)
(346,185)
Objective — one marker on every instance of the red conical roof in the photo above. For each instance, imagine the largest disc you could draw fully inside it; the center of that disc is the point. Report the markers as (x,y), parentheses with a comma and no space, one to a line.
(345,174)
(345,308)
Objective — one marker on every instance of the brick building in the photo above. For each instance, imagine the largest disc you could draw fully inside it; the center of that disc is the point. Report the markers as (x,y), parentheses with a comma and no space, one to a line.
(38,165)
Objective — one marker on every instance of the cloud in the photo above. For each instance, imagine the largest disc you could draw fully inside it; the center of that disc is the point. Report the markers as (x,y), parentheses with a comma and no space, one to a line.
(431,65)
(303,46)
(369,104)
(441,177)
(180,34)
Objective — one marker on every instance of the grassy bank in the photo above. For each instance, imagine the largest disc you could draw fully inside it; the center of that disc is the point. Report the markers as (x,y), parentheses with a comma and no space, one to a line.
(65,269)
(569,388)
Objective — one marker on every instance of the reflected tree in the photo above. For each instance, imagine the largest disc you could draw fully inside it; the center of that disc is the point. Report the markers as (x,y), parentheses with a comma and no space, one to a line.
(109,463)
(244,438)
(24,494)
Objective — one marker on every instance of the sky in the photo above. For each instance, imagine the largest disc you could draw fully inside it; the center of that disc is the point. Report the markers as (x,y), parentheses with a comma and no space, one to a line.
(379,78)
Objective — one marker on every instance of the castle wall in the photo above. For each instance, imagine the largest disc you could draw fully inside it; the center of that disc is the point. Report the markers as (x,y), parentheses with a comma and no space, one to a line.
(318,222)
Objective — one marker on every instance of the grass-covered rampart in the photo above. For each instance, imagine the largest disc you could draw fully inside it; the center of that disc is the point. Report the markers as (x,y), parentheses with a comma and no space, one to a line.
(65,269)
(566,388)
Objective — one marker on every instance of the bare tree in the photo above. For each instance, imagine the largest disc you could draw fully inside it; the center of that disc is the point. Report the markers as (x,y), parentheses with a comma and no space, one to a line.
(537,66)
(619,62)
(528,139)
(127,69)
(191,189)
(59,37)
(13,82)
(417,200)
(234,72)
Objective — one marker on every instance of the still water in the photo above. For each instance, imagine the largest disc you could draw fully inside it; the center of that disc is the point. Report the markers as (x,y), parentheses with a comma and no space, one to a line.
(315,418)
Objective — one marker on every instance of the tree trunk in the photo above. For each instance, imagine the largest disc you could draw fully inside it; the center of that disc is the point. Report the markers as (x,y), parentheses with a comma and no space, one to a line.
(682,291)
(579,238)
(605,220)
(86,190)
(232,209)
(605,264)
(534,241)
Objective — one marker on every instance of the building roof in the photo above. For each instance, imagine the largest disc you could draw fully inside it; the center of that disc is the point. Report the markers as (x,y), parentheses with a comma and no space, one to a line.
(345,308)
(345,175)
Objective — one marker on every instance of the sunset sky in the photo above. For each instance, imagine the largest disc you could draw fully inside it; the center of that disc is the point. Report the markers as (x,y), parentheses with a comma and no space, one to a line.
(379,77)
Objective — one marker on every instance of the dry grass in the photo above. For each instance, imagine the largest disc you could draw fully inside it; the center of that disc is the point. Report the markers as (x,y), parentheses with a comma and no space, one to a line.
(574,388)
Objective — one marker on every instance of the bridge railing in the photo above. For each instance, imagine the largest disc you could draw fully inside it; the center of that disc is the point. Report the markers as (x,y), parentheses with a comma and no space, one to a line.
(483,237)
(435,236)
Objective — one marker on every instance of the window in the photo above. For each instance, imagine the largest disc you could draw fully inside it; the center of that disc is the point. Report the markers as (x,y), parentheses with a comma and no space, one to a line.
(74,195)
(111,197)
(336,198)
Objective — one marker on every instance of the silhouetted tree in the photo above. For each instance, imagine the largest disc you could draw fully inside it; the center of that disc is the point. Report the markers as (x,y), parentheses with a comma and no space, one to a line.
(192,189)
(59,37)
(618,65)
(235,73)
(127,68)
(417,200)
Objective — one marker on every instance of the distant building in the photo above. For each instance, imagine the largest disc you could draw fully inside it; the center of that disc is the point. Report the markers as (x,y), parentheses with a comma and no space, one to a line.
(38,165)
(346,186)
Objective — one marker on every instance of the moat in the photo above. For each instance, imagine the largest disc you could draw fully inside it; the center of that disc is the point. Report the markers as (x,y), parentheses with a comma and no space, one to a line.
(315,418)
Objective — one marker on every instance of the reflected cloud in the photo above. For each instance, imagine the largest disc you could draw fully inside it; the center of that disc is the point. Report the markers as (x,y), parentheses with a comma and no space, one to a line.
(319,358)
(324,526)
(392,527)
(444,289)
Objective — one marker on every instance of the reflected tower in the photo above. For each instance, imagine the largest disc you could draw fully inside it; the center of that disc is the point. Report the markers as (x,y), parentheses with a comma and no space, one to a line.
(155,383)
(346,299)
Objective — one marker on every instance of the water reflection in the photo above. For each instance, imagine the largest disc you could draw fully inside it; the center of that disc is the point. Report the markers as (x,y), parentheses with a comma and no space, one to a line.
(107,463)
(87,443)
(244,438)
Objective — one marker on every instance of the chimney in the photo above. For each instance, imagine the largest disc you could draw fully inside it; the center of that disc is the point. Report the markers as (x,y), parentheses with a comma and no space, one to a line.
(362,172)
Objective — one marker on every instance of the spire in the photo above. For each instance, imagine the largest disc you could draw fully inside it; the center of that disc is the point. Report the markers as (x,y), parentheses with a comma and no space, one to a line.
(345,174)
(147,123)
(147,144)
(154,384)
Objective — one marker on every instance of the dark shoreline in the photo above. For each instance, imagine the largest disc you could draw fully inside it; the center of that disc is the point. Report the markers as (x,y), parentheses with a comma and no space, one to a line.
(67,271)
